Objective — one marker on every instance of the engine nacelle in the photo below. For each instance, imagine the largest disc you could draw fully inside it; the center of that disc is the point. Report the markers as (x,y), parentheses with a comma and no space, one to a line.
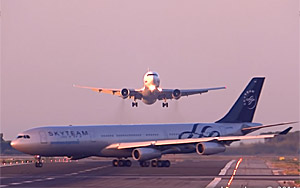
(208,148)
(176,94)
(144,154)
(125,93)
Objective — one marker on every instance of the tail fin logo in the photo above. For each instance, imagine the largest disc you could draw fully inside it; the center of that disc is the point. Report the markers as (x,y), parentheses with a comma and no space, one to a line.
(249,99)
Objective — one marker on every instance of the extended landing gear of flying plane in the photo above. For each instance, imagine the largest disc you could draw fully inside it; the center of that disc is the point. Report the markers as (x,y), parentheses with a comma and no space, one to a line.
(38,162)
(156,163)
(121,163)
(134,104)
(165,104)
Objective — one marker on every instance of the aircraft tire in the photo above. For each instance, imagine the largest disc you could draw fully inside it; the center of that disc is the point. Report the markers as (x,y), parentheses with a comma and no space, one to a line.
(144,163)
(121,163)
(38,165)
(166,163)
(115,163)
(128,163)
(154,163)
(160,163)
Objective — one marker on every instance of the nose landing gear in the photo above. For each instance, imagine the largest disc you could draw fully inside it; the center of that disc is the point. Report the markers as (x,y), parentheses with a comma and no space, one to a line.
(38,162)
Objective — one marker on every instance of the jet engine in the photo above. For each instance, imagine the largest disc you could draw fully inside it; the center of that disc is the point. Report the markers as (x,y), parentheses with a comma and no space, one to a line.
(208,148)
(176,94)
(144,154)
(125,93)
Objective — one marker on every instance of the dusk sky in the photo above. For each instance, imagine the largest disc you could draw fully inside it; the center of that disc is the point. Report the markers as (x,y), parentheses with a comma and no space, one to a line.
(47,46)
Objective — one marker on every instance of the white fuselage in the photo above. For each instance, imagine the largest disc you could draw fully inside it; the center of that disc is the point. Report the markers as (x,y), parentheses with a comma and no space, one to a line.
(151,88)
(93,140)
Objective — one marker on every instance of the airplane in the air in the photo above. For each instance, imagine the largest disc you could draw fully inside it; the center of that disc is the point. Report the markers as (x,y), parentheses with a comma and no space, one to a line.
(151,92)
(146,143)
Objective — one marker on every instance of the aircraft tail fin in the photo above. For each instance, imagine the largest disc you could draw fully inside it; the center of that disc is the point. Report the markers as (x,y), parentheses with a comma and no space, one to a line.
(244,108)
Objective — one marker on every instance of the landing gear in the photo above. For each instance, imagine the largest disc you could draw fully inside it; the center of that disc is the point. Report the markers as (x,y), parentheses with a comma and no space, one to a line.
(160,163)
(121,163)
(156,163)
(145,163)
(165,104)
(38,162)
(153,163)
(134,104)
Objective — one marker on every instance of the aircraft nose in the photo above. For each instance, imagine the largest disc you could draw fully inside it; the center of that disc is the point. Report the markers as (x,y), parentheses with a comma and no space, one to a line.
(14,144)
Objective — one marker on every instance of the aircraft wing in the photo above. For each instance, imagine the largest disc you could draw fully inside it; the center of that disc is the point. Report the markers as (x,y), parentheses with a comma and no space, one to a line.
(270,125)
(101,90)
(133,92)
(130,145)
(168,93)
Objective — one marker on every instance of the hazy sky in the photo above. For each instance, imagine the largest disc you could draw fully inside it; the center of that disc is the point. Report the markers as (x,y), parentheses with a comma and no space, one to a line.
(46,46)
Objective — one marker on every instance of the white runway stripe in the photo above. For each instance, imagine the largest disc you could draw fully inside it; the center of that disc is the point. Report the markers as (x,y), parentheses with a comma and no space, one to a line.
(215,182)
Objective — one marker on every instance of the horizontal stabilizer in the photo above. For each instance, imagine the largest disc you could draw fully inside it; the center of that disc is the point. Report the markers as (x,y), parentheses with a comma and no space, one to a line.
(285,131)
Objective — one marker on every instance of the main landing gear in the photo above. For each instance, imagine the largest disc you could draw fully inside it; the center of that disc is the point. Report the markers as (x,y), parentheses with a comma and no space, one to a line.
(153,163)
(134,104)
(165,104)
(156,163)
(121,163)
(38,162)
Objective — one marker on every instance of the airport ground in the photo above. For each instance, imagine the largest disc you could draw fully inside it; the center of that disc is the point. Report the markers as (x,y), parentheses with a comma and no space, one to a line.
(186,171)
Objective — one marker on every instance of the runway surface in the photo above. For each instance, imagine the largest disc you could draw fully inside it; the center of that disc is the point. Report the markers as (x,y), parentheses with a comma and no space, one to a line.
(186,171)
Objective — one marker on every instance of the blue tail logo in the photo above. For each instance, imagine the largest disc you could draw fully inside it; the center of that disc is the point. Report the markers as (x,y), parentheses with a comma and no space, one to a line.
(249,99)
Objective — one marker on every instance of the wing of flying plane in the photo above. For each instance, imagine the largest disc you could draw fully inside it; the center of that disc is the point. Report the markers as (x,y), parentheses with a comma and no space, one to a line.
(177,93)
(101,90)
(155,143)
(124,93)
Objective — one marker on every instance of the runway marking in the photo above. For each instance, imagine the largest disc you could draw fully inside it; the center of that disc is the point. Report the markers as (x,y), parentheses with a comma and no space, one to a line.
(15,183)
(51,178)
(24,182)
(39,180)
(27,181)
(75,173)
(215,181)
(234,172)
(87,170)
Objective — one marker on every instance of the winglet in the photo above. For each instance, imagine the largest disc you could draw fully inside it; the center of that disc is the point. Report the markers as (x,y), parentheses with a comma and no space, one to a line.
(285,131)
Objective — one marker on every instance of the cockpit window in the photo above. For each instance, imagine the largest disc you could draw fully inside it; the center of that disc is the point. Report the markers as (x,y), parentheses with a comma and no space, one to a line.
(26,136)
(152,74)
(23,136)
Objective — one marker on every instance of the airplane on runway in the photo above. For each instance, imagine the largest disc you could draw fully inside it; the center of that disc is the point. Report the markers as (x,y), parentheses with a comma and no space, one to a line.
(151,92)
(147,143)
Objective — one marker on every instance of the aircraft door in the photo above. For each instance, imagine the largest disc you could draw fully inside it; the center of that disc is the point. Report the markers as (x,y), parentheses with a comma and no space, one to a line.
(93,136)
(43,137)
